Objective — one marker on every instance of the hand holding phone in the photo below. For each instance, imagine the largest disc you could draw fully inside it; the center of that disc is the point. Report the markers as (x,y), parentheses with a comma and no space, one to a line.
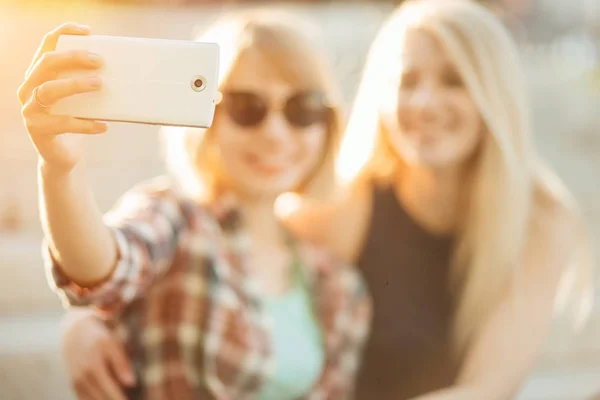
(42,88)
(76,80)
(150,81)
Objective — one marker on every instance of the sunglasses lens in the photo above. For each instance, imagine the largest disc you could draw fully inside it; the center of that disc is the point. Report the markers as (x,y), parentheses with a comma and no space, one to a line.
(305,109)
(245,109)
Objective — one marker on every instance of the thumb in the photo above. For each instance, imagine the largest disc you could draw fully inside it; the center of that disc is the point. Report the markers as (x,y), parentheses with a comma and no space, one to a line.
(120,364)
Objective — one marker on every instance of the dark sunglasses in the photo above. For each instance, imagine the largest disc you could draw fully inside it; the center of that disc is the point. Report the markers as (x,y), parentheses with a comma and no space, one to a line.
(301,109)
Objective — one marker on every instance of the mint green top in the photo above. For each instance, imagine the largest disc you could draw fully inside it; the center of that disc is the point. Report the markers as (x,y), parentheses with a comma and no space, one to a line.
(297,344)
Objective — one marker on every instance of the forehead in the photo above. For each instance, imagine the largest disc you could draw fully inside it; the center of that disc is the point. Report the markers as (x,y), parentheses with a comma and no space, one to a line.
(253,71)
(423,49)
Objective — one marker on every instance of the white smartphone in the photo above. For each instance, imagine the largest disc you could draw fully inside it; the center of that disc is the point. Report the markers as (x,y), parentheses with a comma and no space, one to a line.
(148,81)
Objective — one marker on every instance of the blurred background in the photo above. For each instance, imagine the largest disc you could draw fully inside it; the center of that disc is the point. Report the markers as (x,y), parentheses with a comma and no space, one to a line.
(560,44)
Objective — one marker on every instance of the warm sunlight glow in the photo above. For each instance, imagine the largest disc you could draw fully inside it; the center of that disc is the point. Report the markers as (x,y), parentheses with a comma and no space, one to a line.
(355,152)
(287,204)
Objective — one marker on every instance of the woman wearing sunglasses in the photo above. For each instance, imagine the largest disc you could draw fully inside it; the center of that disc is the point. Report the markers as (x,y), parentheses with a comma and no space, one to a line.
(211,295)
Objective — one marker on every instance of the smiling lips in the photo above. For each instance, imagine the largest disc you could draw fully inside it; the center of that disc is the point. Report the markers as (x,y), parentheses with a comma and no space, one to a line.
(268,165)
(428,134)
(425,136)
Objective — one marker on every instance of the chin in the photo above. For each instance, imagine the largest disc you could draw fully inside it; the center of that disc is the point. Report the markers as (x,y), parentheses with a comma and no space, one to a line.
(267,188)
(432,159)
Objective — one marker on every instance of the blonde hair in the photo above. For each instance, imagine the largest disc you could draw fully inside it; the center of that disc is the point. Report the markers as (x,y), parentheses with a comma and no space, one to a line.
(289,44)
(509,181)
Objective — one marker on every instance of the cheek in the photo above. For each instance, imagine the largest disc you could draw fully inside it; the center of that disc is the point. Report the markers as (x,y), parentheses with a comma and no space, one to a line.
(231,143)
(311,146)
(402,114)
(472,126)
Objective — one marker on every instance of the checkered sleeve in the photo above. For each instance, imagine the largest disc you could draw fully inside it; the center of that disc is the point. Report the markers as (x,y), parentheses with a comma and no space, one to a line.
(353,321)
(146,223)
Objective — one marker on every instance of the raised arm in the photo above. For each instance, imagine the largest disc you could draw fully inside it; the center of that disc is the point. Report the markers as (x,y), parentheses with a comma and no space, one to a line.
(107,260)
(71,220)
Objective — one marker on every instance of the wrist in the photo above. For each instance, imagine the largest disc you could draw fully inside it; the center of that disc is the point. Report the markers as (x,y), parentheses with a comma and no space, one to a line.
(53,171)
(58,173)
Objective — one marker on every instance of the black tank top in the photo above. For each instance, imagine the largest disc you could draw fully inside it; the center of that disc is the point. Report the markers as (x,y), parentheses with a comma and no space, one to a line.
(407,270)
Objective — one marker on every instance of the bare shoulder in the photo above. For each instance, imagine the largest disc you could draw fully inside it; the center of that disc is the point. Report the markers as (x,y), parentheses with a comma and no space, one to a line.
(557,222)
(337,224)
(556,232)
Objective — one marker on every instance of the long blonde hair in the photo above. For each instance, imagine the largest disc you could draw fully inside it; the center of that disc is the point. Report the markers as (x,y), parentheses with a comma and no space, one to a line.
(509,180)
(291,45)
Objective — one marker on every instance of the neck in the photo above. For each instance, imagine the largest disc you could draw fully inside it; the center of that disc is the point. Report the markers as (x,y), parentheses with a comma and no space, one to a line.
(269,259)
(433,197)
(260,220)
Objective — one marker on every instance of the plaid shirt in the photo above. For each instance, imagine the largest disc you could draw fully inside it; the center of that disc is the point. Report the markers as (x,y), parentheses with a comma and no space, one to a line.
(188,311)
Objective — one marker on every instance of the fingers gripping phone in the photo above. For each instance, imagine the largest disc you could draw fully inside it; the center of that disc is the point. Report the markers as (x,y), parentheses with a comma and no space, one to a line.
(148,81)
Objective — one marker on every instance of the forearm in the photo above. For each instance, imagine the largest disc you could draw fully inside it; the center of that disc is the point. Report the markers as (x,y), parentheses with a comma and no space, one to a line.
(81,243)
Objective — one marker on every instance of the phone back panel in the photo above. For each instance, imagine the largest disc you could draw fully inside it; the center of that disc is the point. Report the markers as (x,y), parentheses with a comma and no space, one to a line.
(146,81)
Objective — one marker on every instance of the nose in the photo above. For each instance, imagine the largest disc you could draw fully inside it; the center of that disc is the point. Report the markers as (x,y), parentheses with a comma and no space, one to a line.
(275,128)
(426,97)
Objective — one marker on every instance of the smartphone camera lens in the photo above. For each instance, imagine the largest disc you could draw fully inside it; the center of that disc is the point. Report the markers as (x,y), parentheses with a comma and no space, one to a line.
(198,83)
